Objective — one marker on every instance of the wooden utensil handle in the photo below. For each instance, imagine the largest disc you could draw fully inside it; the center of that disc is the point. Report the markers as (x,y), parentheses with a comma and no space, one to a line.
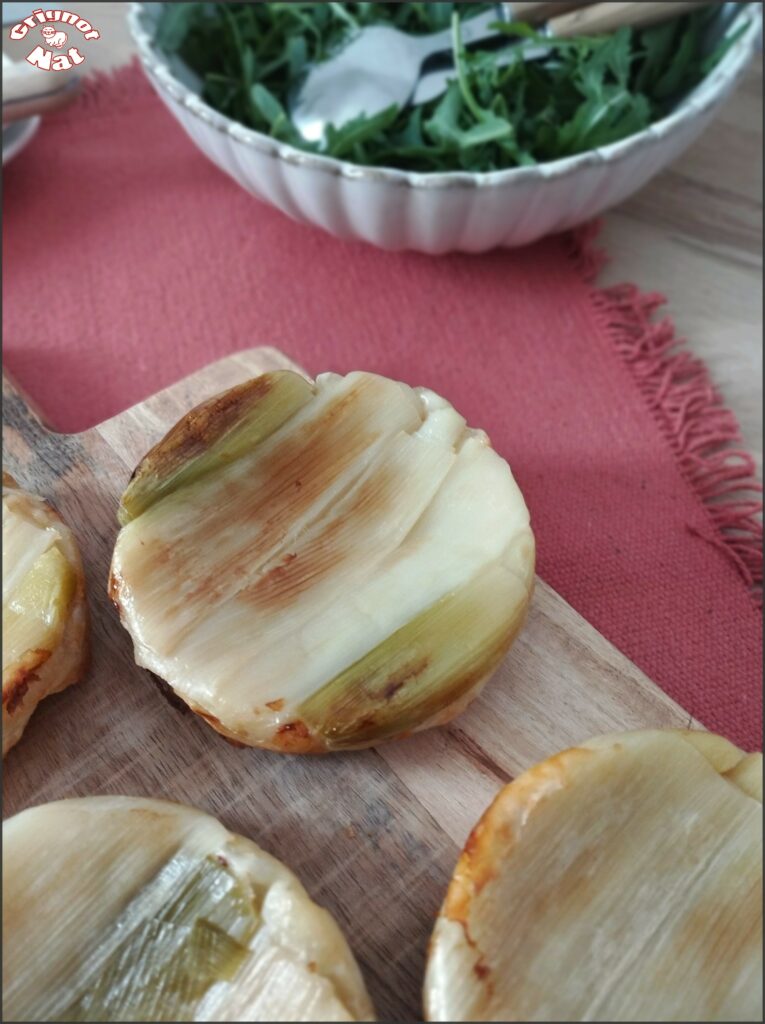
(608,17)
(536,13)
(17,110)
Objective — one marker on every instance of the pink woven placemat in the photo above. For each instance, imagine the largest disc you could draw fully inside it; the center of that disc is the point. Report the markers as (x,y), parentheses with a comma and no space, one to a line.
(131,261)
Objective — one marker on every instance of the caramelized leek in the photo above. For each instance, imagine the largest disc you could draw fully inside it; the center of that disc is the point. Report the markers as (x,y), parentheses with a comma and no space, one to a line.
(124,909)
(354,568)
(36,612)
(212,435)
(432,661)
(164,964)
(44,615)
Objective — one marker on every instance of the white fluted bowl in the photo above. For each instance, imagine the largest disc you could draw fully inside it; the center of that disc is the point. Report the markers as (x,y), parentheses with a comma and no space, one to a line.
(444,212)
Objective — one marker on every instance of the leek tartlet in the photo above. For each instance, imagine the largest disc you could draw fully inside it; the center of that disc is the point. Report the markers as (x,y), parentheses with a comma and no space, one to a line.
(44,612)
(320,566)
(617,881)
(125,909)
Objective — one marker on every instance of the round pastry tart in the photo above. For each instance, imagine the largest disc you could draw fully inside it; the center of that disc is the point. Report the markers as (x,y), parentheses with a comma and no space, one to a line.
(320,566)
(125,909)
(617,881)
(44,612)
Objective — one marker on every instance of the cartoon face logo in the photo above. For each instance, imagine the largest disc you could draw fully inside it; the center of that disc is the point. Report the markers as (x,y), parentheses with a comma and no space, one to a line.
(55,53)
(53,37)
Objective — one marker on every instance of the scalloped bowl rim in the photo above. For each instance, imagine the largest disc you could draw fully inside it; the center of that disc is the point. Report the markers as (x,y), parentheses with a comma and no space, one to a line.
(705,96)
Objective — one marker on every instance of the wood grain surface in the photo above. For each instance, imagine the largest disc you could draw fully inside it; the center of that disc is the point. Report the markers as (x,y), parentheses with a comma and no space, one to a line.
(373,835)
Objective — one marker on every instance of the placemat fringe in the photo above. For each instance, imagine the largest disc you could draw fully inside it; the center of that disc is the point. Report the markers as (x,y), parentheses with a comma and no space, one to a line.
(690,413)
(103,90)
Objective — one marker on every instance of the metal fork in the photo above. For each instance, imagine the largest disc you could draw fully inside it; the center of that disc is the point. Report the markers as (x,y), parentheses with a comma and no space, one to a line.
(381,66)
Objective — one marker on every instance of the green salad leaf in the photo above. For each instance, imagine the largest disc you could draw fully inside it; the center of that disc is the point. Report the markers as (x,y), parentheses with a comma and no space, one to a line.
(499,111)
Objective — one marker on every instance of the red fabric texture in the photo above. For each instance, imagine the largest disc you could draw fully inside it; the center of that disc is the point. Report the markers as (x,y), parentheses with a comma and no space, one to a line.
(131,261)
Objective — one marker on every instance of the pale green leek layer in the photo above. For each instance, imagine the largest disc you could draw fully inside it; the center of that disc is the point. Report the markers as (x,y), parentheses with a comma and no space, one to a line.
(39,581)
(186,931)
(128,909)
(305,565)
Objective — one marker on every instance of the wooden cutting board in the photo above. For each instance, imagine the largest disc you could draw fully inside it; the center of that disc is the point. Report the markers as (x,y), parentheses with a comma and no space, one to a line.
(373,835)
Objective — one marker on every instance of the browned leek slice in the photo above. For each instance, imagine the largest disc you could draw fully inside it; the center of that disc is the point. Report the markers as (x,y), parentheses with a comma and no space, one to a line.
(322,566)
(44,611)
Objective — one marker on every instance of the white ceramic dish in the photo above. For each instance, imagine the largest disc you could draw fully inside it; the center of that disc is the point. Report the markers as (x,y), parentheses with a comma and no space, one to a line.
(16,135)
(437,213)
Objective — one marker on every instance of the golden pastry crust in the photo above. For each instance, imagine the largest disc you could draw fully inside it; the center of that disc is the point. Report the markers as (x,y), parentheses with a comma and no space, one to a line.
(618,880)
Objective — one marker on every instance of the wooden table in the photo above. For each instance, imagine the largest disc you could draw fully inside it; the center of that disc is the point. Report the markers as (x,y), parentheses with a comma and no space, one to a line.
(694,233)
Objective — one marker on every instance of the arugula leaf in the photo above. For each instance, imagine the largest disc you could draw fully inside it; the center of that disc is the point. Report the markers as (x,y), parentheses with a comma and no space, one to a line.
(443,127)
(268,106)
(341,141)
(616,55)
(296,54)
(714,58)
(174,24)
(488,129)
(658,42)
(672,79)
(613,116)
(499,111)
